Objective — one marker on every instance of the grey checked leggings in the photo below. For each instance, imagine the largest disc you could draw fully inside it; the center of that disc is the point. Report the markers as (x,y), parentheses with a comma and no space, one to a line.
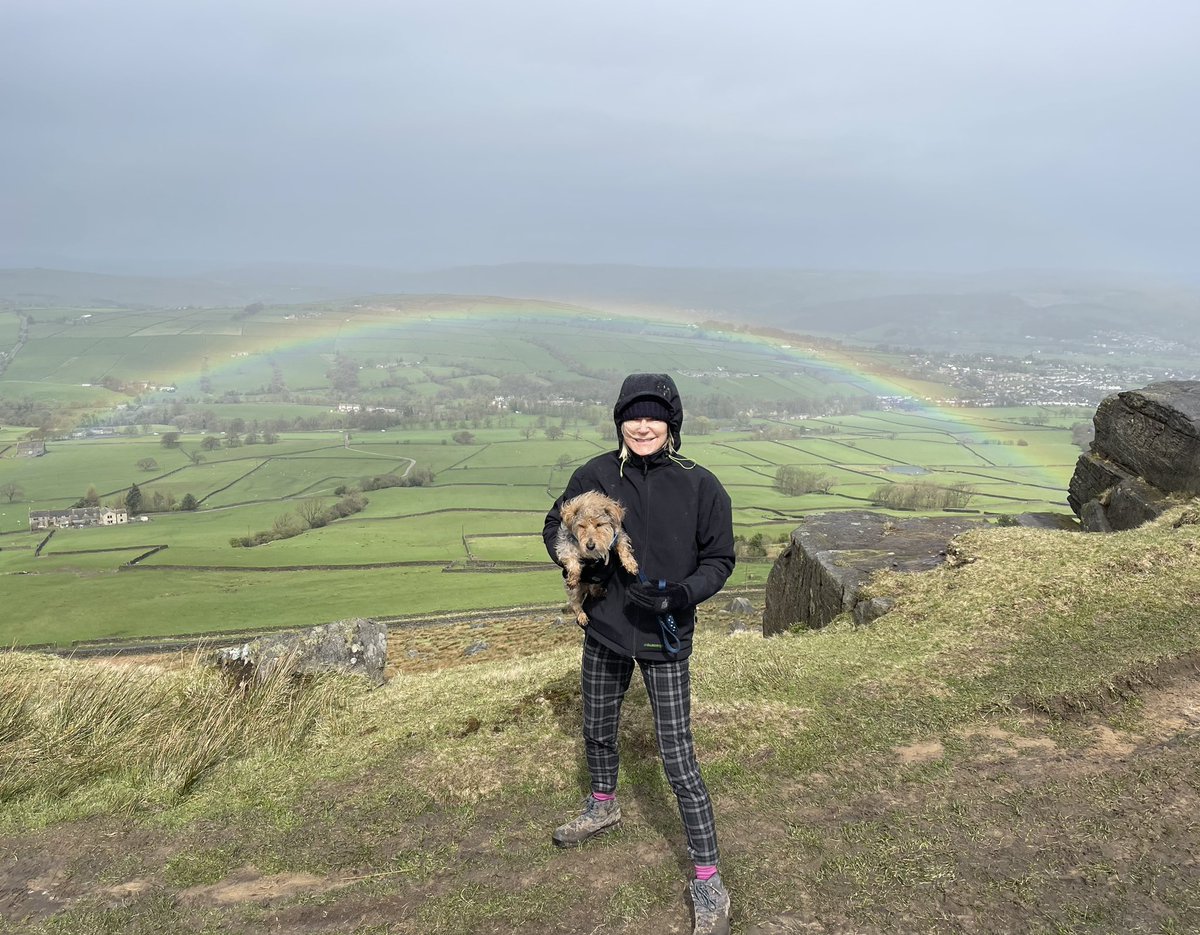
(605,678)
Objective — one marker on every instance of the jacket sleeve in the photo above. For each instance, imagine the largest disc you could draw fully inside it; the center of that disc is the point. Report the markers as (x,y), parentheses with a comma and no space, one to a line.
(575,486)
(714,542)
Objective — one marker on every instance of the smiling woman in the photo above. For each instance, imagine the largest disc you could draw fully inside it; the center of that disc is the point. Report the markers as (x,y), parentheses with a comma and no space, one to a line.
(678,519)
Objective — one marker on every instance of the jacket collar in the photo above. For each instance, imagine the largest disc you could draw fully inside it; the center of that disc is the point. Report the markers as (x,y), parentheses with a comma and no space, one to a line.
(651,461)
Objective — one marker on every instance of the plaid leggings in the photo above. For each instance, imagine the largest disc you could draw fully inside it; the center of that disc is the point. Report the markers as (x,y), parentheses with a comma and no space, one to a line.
(605,678)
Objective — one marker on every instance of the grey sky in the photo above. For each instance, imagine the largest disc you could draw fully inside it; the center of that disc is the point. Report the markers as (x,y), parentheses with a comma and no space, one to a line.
(936,135)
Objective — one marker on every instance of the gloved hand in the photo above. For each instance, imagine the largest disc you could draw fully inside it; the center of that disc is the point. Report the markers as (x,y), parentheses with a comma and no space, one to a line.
(598,572)
(595,571)
(671,598)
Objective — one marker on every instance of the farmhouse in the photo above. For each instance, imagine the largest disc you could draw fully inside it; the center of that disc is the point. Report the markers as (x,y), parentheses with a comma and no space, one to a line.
(31,449)
(76,517)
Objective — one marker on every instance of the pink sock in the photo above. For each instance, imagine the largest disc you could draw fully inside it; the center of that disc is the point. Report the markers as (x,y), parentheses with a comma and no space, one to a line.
(704,871)
(603,796)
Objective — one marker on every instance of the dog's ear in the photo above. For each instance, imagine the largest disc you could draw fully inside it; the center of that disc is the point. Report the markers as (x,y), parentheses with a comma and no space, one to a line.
(616,513)
(569,509)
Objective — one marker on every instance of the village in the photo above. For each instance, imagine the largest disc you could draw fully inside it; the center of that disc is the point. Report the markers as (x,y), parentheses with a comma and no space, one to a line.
(79,516)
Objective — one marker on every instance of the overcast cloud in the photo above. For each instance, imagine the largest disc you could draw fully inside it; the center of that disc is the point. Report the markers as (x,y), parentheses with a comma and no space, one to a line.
(933,135)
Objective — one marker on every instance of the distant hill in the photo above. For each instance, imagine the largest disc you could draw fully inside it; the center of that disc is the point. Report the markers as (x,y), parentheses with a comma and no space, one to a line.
(42,288)
(998,310)
(921,309)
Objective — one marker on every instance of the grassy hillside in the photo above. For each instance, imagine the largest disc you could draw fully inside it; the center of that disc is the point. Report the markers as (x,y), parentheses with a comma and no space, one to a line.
(1012,748)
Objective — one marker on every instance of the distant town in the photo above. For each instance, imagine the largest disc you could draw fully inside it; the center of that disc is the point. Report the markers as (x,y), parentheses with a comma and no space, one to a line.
(1114,361)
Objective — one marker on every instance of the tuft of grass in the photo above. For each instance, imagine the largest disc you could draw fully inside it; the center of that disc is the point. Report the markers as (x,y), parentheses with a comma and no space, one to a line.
(650,889)
(66,728)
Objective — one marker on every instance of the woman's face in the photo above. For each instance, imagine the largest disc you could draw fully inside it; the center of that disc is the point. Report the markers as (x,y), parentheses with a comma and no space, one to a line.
(644,436)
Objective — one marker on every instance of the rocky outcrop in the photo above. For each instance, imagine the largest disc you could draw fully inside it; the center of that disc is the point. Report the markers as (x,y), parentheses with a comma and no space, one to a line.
(355,647)
(1063,521)
(830,557)
(1146,455)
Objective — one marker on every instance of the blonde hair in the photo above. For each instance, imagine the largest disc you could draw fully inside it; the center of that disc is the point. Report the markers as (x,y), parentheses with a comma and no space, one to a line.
(686,463)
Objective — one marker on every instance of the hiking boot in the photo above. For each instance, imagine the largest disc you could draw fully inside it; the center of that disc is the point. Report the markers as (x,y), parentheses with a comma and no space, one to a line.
(598,817)
(710,900)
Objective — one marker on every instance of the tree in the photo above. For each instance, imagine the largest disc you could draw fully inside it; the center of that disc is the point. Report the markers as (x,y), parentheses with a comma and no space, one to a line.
(210,443)
(188,503)
(12,491)
(133,500)
(312,511)
(343,375)
(170,439)
(563,461)
(795,481)
(196,457)
(554,432)
(463,438)
(147,464)
(91,497)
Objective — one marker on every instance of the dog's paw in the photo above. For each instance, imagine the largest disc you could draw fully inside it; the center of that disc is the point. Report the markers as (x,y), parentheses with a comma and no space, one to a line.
(581,618)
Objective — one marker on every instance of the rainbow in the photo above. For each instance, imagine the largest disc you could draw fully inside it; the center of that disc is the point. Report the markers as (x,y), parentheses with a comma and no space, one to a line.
(975,427)
(318,330)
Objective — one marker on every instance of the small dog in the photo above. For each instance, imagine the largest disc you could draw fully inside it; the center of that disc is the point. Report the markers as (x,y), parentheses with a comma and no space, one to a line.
(590,529)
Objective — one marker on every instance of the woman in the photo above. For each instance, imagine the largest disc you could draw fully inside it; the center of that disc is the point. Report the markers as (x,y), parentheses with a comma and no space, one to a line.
(679,519)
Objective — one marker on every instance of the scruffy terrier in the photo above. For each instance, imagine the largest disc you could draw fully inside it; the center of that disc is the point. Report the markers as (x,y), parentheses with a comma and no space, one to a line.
(590,529)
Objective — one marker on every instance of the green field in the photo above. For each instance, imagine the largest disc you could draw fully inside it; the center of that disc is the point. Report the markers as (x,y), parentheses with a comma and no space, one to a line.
(489,494)
(492,495)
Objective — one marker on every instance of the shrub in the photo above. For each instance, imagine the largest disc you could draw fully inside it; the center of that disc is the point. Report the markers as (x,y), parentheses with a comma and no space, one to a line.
(794,481)
(922,495)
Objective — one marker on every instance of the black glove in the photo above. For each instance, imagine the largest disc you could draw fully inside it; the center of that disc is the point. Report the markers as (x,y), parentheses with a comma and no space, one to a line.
(595,571)
(672,597)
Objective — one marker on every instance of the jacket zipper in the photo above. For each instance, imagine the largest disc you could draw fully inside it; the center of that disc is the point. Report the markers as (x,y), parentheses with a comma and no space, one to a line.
(646,527)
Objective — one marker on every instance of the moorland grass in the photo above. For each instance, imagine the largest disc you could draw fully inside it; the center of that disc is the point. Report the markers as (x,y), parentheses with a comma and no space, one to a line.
(67,730)
(465,769)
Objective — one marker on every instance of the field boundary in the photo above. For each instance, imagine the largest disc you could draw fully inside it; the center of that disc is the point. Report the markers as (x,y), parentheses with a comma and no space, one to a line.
(41,545)
(119,548)
(150,645)
(451,566)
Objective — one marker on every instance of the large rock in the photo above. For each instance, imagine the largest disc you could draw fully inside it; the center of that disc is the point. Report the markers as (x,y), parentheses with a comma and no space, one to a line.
(830,557)
(356,647)
(1146,452)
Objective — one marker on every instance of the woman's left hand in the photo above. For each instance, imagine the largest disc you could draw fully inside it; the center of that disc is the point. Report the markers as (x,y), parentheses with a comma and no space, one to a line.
(670,597)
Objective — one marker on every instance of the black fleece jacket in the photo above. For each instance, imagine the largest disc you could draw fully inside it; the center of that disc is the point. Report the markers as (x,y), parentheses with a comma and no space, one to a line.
(679,520)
